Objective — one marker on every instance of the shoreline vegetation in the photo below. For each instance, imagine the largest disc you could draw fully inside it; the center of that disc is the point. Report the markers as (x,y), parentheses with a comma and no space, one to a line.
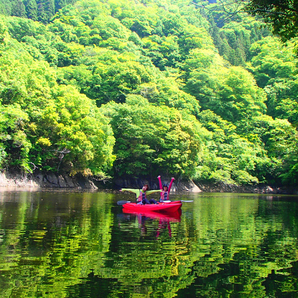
(125,89)
(50,181)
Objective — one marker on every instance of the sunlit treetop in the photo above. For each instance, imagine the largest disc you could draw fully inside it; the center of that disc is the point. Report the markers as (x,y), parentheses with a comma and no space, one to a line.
(281,15)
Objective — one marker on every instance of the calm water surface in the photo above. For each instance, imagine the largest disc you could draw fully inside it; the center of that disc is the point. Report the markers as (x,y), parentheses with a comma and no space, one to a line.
(58,244)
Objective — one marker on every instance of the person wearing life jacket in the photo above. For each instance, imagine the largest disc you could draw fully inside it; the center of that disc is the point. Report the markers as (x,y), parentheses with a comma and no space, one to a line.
(165,189)
(141,194)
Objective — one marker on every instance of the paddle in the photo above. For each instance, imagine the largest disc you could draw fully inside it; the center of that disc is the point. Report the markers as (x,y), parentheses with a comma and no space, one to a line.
(120,203)
(183,201)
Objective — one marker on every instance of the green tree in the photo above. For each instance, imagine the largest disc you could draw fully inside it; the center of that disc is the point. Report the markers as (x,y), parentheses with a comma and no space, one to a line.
(117,79)
(18,9)
(3,32)
(19,28)
(282,16)
(79,132)
(167,92)
(230,92)
(194,38)
(152,140)
(228,157)
(14,144)
(61,125)
(5,7)
(163,51)
(274,67)
(31,8)
(280,141)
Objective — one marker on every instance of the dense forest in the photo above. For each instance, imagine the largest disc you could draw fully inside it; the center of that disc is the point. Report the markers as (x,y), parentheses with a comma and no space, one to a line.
(195,90)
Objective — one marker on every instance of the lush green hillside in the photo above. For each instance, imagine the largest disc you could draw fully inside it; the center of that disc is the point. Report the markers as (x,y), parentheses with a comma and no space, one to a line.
(37,10)
(127,88)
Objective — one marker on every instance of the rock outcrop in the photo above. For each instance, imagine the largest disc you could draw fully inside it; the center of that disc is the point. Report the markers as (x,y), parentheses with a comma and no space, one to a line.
(53,181)
(45,181)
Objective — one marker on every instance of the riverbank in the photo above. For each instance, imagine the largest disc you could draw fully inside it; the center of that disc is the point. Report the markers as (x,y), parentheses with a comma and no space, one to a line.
(258,189)
(44,181)
(51,181)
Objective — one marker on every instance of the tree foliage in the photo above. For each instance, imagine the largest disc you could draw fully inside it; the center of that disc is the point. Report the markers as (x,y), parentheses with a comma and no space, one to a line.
(37,10)
(47,126)
(153,139)
(73,73)
(274,67)
(281,15)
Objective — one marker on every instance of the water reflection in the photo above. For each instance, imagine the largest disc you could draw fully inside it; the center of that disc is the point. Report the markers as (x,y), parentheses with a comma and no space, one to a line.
(83,245)
(164,220)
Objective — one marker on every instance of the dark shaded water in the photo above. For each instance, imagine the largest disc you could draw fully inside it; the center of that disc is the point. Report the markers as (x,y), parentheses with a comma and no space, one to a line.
(57,244)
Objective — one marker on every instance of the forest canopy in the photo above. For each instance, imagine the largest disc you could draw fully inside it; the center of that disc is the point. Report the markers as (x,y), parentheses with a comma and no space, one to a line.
(137,89)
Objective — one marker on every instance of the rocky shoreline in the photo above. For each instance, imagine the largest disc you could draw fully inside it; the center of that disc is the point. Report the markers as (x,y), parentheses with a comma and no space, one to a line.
(258,189)
(17,182)
(44,181)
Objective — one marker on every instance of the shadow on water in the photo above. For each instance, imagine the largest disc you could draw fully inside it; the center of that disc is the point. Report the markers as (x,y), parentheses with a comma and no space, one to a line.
(63,244)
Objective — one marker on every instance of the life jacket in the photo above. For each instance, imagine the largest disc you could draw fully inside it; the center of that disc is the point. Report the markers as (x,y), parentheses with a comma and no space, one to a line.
(164,196)
(142,196)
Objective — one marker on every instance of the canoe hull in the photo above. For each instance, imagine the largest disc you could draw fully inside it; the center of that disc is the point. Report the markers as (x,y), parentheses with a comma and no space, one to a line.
(161,207)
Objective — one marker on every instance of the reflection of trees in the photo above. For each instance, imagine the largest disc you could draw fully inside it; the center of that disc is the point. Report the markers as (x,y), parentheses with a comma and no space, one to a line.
(223,246)
(239,245)
(55,242)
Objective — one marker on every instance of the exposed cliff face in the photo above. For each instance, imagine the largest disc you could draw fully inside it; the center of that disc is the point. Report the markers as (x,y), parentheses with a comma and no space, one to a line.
(44,181)
(50,181)
(17,182)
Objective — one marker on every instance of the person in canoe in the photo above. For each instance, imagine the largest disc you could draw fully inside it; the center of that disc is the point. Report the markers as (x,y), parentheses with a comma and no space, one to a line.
(165,189)
(141,194)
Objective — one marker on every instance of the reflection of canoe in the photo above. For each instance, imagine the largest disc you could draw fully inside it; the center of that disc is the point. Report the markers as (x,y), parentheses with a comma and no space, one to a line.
(160,207)
(167,216)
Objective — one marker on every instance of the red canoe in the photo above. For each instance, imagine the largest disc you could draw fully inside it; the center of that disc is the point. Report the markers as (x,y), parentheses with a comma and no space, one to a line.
(160,207)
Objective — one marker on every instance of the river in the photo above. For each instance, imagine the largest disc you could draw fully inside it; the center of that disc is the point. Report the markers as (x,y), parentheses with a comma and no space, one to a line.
(81,244)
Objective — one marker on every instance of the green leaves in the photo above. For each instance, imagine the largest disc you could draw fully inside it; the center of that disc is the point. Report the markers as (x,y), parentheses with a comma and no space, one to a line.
(14,144)
(227,156)
(230,92)
(282,16)
(48,125)
(152,139)
(274,67)
(79,132)
(163,75)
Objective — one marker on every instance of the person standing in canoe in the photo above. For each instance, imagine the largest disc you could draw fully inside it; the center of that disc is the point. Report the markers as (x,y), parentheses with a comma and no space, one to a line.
(165,189)
(141,194)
